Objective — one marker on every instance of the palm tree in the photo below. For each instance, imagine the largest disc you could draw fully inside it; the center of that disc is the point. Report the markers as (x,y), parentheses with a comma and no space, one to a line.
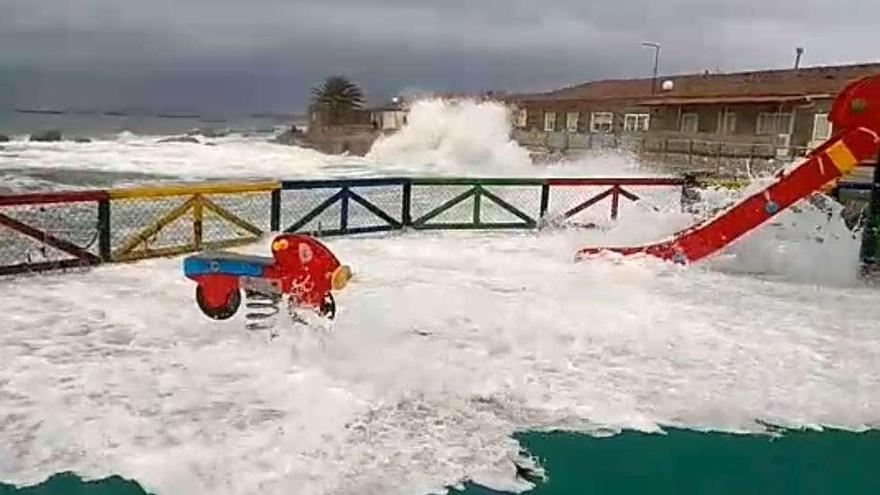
(337,96)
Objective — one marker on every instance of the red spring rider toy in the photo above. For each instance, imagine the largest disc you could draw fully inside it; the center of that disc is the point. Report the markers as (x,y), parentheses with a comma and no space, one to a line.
(301,269)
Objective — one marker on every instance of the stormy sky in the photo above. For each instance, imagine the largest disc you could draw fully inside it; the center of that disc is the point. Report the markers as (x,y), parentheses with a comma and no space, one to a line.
(263,55)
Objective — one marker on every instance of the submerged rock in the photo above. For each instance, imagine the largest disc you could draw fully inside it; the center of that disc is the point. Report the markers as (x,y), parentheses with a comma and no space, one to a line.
(291,137)
(82,140)
(53,135)
(4,138)
(180,139)
(211,132)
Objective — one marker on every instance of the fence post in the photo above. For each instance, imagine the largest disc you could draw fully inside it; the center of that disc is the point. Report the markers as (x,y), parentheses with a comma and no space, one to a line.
(198,215)
(343,210)
(477,196)
(690,196)
(690,152)
(275,211)
(835,192)
(870,252)
(545,201)
(406,206)
(615,201)
(104,229)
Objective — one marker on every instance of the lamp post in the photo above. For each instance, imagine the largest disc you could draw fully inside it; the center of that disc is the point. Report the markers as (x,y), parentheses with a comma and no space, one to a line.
(656,48)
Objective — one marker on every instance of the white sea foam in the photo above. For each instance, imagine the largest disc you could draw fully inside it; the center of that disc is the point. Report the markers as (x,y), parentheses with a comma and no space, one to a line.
(445,345)
(464,138)
(454,137)
(233,157)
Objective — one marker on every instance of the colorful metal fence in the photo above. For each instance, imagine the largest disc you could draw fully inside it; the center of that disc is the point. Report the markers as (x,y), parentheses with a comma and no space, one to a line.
(374,205)
(52,231)
(151,222)
(71,230)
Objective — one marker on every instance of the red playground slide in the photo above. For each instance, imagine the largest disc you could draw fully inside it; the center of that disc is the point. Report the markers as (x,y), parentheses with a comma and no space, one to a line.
(855,116)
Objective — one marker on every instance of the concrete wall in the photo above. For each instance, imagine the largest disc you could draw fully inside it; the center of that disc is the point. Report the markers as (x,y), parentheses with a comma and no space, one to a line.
(356,140)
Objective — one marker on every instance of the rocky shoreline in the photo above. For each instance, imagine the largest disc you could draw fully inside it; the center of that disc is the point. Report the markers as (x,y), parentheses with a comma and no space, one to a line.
(350,139)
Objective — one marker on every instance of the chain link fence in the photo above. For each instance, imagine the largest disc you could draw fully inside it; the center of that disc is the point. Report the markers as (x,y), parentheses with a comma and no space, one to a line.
(38,232)
(149,225)
(856,201)
(375,207)
(511,205)
(441,204)
(44,232)
(316,211)
(342,207)
(141,226)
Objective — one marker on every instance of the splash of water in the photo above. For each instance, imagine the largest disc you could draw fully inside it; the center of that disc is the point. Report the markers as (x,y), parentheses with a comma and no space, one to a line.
(467,137)
(454,137)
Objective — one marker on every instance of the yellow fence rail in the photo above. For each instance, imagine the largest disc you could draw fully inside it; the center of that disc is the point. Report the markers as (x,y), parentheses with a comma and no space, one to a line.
(181,218)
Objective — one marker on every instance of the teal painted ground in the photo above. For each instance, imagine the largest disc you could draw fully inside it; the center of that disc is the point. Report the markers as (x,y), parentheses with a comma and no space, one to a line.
(680,462)
(688,462)
(70,484)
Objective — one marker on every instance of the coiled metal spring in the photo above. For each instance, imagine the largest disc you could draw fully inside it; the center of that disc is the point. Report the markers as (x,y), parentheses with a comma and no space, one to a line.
(262,310)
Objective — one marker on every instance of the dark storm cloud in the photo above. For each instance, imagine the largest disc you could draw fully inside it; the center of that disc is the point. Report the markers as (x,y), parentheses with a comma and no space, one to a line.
(263,54)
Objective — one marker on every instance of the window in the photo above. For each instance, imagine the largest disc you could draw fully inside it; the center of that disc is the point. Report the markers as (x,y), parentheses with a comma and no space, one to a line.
(522,118)
(636,122)
(689,123)
(571,121)
(392,120)
(821,127)
(602,122)
(726,122)
(774,123)
(549,121)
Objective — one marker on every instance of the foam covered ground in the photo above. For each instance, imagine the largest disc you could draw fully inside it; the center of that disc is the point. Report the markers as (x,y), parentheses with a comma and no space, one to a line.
(444,346)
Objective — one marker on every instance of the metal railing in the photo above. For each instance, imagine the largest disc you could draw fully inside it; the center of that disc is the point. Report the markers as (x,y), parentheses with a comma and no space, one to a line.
(71,230)
(340,207)
(53,231)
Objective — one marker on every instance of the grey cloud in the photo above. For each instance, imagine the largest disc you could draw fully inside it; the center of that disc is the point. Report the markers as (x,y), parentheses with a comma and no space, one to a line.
(266,53)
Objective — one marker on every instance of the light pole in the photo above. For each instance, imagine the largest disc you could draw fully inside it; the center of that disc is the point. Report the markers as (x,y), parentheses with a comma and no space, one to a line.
(656,48)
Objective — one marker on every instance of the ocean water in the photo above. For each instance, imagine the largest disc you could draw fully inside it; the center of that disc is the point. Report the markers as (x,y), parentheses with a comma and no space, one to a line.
(100,125)
(443,139)
(447,347)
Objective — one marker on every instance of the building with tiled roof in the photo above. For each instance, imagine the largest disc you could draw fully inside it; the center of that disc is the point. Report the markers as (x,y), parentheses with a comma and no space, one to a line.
(771,107)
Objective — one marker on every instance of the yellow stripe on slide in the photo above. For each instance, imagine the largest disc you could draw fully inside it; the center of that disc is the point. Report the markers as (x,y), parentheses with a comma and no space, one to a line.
(842,157)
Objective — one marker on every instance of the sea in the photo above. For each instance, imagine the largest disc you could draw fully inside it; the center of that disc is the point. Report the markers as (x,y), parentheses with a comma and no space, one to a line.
(97,124)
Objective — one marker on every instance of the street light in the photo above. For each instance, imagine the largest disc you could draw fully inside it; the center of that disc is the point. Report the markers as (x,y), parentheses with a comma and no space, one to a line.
(656,48)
